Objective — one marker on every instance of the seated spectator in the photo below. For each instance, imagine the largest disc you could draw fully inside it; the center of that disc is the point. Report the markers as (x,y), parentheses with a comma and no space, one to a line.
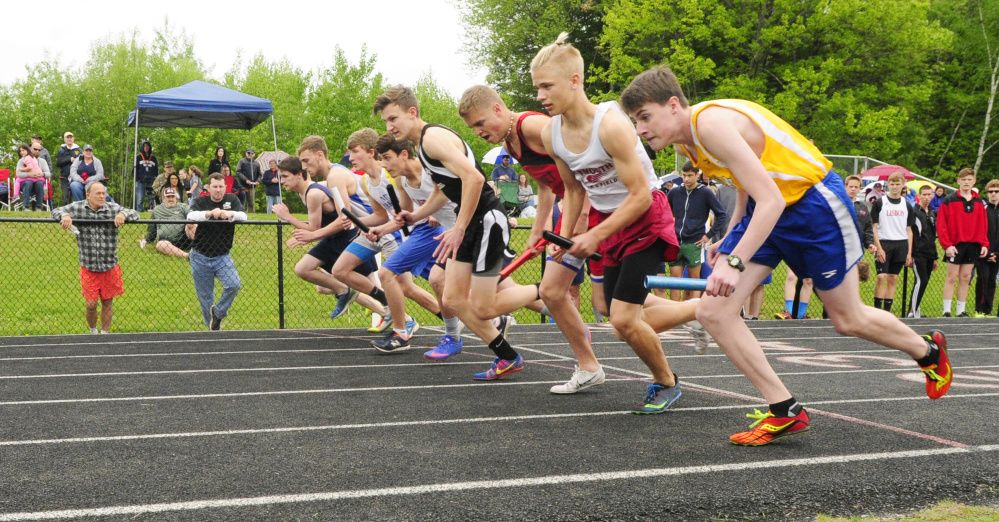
(525,194)
(503,171)
(85,171)
(161,179)
(31,178)
(171,239)
(185,182)
(173,181)
(272,185)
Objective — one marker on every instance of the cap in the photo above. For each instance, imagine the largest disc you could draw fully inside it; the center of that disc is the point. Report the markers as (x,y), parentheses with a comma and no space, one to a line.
(169,192)
(36,137)
(167,163)
(250,150)
(88,147)
(67,134)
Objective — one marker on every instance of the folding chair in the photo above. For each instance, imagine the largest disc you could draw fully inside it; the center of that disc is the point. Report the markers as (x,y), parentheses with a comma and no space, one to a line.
(19,204)
(9,196)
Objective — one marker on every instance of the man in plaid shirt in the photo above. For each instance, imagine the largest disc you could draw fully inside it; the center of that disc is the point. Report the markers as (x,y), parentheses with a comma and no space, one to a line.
(100,275)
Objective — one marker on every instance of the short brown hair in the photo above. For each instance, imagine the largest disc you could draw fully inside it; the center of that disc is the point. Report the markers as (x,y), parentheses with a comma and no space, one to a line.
(478,97)
(366,138)
(965,172)
(853,177)
(292,164)
(991,184)
(216,175)
(563,56)
(658,85)
(387,142)
(931,189)
(195,170)
(315,144)
(400,95)
(896,176)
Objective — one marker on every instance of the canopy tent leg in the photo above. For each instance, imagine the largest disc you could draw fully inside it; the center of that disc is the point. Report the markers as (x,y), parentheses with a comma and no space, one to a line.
(274,133)
(135,163)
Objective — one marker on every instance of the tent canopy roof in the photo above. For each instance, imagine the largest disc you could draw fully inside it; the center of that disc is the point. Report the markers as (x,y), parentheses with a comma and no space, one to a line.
(200,105)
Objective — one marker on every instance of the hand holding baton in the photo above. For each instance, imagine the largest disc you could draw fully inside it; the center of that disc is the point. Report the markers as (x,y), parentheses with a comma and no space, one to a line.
(338,199)
(566,243)
(521,259)
(395,205)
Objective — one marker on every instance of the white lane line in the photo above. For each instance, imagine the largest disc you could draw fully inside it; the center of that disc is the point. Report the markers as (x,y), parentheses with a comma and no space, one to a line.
(396,424)
(450,487)
(213,340)
(177,354)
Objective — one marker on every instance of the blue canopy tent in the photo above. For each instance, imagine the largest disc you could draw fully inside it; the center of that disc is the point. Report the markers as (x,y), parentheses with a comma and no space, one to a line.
(199,105)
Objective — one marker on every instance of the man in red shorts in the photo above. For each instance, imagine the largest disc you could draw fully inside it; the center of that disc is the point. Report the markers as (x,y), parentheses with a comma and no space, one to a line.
(100,275)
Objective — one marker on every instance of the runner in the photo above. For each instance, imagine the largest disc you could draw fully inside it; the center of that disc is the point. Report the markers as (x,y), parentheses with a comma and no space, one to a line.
(476,247)
(801,214)
(599,156)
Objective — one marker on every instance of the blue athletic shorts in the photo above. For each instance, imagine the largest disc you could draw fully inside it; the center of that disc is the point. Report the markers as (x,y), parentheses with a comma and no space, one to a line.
(329,248)
(416,254)
(817,237)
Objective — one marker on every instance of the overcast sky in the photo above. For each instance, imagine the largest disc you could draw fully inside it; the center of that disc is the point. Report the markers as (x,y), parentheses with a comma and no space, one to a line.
(306,32)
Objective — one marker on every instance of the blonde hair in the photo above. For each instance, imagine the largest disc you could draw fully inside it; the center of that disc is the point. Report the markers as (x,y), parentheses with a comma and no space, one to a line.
(400,95)
(563,56)
(991,184)
(478,97)
(314,144)
(366,138)
(896,176)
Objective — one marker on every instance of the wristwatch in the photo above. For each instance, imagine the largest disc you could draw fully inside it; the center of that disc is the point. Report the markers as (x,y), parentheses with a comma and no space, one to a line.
(735,262)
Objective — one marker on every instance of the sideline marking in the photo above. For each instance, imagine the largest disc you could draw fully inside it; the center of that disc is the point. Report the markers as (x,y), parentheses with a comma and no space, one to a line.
(483,484)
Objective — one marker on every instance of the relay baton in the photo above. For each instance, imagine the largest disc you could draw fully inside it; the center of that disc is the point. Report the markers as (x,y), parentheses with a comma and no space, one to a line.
(395,205)
(566,243)
(338,199)
(521,259)
(676,283)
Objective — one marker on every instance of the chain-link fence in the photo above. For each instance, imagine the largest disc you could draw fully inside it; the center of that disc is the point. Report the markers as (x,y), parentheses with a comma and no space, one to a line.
(41,290)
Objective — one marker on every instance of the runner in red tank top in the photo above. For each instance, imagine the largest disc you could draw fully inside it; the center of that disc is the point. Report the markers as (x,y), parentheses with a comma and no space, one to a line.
(484,111)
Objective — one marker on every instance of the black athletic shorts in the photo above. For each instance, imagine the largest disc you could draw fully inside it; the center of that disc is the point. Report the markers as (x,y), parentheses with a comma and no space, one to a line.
(967,254)
(895,254)
(329,249)
(626,282)
(486,243)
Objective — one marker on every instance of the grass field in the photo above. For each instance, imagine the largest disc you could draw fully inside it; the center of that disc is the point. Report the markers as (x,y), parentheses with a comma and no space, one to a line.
(946,511)
(41,290)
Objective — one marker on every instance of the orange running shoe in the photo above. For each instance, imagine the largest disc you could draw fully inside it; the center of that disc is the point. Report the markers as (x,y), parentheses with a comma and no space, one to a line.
(939,375)
(768,428)
(782,315)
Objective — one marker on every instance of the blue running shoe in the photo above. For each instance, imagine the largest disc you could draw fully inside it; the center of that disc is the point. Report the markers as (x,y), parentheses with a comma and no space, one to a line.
(412,327)
(392,343)
(447,348)
(343,302)
(500,368)
(659,398)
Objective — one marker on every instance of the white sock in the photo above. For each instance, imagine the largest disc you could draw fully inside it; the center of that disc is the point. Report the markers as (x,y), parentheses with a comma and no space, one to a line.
(93,331)
(946,305)
(452,327)
(401,333)
(960,308)
(104,331)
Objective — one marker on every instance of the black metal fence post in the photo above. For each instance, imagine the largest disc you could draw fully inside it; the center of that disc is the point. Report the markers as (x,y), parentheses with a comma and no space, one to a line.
(280,274)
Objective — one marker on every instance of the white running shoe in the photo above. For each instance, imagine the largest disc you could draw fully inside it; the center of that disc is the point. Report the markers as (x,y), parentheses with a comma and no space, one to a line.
(701,338)
(580,380)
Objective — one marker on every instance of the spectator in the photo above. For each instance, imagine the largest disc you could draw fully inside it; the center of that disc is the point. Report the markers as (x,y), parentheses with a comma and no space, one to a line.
(146,170)
(212,241)
(248,174)
(864,221)
(231,185)
(791,288)
(727,195)
(85,171)
(962,228)
(272,185)
(911,196)
(938,197)
(875,194)
(197,183)
(754,303)
(44,155)
(893,219)
(67,152)
(185,183)
(691,202)
(525,194)
(988,266)
(221,158)
(31,177)
(924,249)
(503,171)
(171,238)
(173,181)
(100,275)
(161,180)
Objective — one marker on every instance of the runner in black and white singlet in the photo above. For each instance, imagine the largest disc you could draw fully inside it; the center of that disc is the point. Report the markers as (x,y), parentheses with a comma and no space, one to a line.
(598,154)
(893,219)
(477,244)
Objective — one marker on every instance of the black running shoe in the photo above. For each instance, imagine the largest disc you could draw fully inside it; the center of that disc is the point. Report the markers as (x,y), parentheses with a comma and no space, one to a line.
(216,320)
(392,343)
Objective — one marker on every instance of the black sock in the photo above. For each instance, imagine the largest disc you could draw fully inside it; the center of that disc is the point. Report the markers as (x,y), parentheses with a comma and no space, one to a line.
(878,303)
(502,349)
(932,357)
(788,408)
(379,295)
(888,303)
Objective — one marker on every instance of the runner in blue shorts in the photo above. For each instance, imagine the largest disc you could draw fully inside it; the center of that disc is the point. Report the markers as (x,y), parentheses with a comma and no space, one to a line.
(800,214)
